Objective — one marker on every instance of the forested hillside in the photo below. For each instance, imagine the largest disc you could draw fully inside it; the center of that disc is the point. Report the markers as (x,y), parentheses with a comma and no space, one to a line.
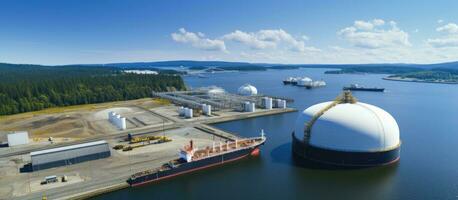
(26,88)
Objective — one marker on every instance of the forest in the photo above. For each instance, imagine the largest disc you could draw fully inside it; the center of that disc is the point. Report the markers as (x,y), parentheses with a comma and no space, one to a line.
(25,88)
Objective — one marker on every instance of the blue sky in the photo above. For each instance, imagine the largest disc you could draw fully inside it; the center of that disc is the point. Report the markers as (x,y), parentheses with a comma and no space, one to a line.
(95,31)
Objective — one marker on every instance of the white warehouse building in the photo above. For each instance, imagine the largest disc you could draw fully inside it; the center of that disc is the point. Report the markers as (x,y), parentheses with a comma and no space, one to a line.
(18,138)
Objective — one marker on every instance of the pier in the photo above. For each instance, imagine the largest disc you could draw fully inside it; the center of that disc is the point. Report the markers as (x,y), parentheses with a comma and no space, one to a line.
(105,175)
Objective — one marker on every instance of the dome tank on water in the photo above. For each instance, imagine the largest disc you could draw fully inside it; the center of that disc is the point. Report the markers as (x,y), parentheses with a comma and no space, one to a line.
(346,133)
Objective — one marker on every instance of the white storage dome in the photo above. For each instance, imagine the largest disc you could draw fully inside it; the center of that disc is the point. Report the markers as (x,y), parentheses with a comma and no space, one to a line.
(356,127)
(247,90)
(304,81)
(215,90)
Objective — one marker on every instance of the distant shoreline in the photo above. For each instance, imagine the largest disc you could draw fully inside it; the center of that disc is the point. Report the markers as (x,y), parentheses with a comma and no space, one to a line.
(397,78)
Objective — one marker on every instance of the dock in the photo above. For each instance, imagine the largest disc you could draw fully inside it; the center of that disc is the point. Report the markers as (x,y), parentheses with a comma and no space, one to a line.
(105,175)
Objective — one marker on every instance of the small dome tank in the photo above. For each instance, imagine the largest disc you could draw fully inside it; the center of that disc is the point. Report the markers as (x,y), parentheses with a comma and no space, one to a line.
(214,90)
(247,90)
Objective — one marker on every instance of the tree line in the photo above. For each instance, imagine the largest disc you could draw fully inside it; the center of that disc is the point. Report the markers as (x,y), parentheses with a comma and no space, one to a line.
(25,88)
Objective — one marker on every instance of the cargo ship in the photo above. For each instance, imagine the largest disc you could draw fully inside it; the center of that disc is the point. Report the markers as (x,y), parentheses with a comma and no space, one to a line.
(356,87)
(290,80)
(192,159)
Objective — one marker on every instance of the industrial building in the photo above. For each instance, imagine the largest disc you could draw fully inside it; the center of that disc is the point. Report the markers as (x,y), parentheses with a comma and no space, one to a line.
(68,155)
(18,138)
(216,98)
(346,133)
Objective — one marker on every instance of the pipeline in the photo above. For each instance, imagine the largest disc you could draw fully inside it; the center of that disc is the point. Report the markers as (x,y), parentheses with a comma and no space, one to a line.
(345,97)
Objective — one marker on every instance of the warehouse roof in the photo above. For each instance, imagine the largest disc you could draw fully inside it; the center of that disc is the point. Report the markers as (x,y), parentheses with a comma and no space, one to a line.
(68,147)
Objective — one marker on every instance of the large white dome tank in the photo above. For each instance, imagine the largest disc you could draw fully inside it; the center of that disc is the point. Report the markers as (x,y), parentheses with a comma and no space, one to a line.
(350,127)
(247,90)
(347,134)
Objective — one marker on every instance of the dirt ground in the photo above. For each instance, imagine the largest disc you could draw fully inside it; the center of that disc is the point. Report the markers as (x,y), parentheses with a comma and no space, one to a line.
(76,122)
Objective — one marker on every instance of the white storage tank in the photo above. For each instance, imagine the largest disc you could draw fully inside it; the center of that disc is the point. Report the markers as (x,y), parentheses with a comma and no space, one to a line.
(252,107)
(181,111)
(280,103)
(246,106)
(247,90)
(123,125)
(267,102)
(283,104)
(18,138)
(204,108)
(207,109)
(188,113)
(347,133)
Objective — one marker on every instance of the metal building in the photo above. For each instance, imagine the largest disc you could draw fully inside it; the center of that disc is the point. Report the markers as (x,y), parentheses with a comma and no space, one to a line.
(18,138)
(68,155)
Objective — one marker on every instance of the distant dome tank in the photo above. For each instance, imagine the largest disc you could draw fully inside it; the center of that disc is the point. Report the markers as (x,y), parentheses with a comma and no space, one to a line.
(215,90)
(247,90)
(346,133)
(304,81)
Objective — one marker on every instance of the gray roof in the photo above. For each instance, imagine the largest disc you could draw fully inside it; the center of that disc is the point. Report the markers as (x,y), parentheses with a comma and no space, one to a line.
(76,146)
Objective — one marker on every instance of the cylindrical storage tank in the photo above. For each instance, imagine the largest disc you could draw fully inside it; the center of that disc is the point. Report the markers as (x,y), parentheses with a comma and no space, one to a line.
(204,108)
(185,111)
(246,106)
(123,123)
(118,120)
(181,111)
(283,104)
(209,110)
(348,135)
(267,103)
(113,115)
(188,112)
(252,107)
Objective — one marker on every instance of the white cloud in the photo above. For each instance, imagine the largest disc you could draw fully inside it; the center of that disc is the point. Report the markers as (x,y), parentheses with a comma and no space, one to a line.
(443,42)
(198,40)
(449,39)
(269,39)
(249,39)
(368,25)
(378,22)
(373,34)
(305,37)
(450,28)
(440,21)
(363,25)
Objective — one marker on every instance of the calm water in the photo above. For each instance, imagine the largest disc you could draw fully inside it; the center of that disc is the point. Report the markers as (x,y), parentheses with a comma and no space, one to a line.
(428,169)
